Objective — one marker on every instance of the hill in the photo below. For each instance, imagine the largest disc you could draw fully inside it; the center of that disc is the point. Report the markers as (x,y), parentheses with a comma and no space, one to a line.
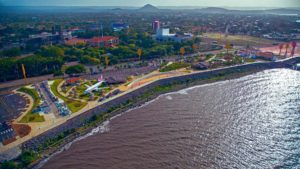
(148,8)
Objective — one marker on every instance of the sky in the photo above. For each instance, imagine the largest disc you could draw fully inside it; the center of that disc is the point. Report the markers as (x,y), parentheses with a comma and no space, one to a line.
(135,3)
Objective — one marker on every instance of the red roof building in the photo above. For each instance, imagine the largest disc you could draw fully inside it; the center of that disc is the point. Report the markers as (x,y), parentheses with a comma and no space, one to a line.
(73,80)
(105,41)
(75,41)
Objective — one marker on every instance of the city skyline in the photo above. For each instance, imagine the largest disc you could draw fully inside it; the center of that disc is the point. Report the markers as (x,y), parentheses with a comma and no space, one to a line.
(138,3)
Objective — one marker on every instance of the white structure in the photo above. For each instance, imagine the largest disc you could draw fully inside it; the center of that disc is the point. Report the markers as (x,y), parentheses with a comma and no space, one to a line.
(95,87)
(41,35)
(165,35)
(164,32)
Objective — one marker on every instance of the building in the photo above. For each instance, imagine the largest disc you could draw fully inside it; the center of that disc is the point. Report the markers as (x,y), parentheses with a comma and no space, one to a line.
(243,53)
(184,37)
(105,41)
(73,81)
(58,31)
(165,35)
(75,41)
(67,35)
(155,25)
(119,26)
(266,56)
(201,66)
(248,53)
(44,38)
(76,30)
(113,80)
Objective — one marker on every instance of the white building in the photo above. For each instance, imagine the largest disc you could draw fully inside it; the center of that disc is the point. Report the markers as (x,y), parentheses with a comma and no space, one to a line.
(164,34)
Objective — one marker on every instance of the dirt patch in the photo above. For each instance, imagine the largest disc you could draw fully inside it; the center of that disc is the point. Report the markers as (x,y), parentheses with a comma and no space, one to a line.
(21,130)
(8,141)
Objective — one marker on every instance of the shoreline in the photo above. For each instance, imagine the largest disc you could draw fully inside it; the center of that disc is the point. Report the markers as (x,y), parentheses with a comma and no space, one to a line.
(42,146)
(136,105)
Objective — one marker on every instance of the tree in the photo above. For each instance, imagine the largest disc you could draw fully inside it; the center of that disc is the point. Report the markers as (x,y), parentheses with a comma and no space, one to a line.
(52,51)
(89,60)
(75,69)
(28,157)
(74,52)
(182,51)
(9,165)
(11,52)
(58,73)
(10,68)
(139,52)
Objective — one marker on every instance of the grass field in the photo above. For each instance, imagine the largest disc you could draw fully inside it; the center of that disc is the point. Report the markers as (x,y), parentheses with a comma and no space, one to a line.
(174,66)
(73,105)
(32,117)
(240,40)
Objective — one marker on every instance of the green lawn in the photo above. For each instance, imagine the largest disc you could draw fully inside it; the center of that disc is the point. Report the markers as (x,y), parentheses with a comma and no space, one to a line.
(73,105)
(174,66)
(32,117)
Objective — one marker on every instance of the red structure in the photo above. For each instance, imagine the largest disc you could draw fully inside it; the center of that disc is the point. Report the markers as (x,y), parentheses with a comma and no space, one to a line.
(73,80)
(156,25)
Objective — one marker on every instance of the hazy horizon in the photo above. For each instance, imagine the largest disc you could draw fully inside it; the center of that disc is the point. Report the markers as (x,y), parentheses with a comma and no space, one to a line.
(161,3)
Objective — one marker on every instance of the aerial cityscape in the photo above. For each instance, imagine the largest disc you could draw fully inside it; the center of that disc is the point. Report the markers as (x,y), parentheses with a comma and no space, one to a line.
(149,84)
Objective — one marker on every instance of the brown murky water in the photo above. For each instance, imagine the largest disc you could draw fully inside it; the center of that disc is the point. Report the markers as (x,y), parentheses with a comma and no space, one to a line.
(250,122)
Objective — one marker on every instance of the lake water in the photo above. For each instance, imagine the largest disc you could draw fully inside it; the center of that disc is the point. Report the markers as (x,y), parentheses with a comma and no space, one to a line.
(250,122)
